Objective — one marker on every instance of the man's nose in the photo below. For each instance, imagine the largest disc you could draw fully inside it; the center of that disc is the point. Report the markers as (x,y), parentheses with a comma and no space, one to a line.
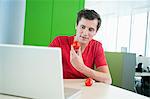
(85,32)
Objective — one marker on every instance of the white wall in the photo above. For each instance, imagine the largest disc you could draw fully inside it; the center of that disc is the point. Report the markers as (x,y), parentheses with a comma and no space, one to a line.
(12,16)
(1,72)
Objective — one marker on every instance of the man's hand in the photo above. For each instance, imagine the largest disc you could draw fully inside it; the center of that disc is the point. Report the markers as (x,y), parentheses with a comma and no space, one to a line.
(76,59)
(102,75)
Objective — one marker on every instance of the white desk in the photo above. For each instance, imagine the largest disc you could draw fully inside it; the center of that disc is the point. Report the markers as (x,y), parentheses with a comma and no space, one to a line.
(101,91)
(96,91)
(138,74)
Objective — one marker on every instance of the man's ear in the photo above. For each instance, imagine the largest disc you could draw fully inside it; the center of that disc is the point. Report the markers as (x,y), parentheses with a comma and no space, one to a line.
(95,33)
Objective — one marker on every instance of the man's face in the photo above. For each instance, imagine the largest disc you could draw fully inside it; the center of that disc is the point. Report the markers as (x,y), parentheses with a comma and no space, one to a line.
(85,30)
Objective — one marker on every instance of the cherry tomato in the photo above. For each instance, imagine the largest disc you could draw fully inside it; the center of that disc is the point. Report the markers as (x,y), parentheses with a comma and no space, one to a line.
(88,82)
(76,45)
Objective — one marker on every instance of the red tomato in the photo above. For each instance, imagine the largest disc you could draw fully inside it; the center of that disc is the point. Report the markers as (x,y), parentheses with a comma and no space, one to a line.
(76,45)
(88,82)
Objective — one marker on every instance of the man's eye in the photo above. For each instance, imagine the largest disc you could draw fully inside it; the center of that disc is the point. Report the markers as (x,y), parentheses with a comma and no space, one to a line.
(83,27)
(91,29)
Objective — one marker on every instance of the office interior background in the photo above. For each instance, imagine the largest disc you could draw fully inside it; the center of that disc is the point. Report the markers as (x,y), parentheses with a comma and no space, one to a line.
(125,24)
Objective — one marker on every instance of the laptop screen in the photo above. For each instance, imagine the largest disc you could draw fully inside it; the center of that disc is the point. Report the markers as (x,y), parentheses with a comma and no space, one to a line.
(30,71)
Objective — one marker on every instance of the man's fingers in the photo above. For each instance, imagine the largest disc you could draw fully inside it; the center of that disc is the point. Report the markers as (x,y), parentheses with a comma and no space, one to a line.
(72,50)
(79,52)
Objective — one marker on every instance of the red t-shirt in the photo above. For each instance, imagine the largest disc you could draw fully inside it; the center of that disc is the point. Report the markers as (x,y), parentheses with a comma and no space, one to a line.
(92,55)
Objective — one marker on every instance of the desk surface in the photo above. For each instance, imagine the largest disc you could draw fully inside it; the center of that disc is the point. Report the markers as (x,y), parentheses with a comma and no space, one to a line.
(138,74)
(96,91)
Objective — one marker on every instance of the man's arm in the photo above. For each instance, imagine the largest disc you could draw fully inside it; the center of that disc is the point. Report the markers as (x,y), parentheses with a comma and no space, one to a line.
(102,75)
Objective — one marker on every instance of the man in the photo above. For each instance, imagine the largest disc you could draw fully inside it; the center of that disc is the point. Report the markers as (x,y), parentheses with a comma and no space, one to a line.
(80,64)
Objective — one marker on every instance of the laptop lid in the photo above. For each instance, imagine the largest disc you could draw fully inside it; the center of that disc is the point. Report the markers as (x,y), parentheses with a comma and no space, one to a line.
(30,71)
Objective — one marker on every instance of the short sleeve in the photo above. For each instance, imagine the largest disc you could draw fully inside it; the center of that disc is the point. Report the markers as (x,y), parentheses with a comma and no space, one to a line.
(100,59)
(55,42)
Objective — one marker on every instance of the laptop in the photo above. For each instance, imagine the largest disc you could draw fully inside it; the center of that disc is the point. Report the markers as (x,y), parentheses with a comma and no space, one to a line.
(32,72)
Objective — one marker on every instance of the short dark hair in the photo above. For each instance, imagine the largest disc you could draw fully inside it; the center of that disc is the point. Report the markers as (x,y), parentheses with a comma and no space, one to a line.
(90,15)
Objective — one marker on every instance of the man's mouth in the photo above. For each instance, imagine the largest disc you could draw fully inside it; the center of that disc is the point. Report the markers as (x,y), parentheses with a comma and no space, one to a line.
(84,37)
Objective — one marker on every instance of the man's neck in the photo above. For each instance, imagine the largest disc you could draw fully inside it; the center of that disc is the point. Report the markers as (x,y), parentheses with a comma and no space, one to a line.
(83,46)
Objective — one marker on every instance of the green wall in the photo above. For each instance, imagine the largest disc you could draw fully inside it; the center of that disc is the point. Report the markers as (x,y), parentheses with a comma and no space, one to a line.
(46,19)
